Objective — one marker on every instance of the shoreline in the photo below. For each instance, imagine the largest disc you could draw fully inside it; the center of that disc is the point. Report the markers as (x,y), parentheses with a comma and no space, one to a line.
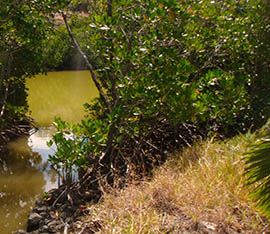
(12,132)
(59,210)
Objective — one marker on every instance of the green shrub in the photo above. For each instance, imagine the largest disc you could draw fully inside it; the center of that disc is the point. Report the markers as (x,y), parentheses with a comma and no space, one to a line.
(168,67)
(258,169)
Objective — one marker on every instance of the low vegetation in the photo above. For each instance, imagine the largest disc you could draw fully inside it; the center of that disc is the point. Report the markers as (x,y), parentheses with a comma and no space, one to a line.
(168,73)
(201,187)
(257,169)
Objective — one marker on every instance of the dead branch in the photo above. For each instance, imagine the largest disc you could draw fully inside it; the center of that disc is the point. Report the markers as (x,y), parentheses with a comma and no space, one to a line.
(103,96)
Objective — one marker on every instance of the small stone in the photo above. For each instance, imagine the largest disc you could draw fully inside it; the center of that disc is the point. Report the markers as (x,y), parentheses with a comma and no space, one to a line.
(21,232)
(39,203)
(41,209)
(47,231)
(33,222)
(64,215)
(79,222)
(60,226)
(53,223)
(41,223)
(207,227)
(45,227)
(68,220)
(43,214)
(46,221)
(35,232)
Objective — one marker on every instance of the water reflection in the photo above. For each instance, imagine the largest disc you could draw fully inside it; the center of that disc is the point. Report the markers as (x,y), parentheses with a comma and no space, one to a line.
(24,175)
(24,170)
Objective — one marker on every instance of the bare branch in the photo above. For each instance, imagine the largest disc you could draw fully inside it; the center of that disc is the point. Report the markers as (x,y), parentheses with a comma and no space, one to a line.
(103,96)
(6,76)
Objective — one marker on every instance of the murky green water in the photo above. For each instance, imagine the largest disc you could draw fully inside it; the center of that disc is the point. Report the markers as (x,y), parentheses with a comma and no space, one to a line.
(60,94)
(24,171)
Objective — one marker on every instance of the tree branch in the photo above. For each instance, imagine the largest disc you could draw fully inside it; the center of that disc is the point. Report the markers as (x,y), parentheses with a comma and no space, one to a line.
(111,76)
(5,77)
(103,96)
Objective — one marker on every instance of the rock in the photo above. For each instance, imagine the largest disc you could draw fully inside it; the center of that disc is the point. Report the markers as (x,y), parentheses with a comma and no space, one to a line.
(78,224)
(41,209)
(33,221)
(35,232)
(21,232)
(68,220)
(207,227)
(46,221)
(64,215)
(44,228)
(53,224)
(52,214)
(43,214)
(60,226)
(39,203)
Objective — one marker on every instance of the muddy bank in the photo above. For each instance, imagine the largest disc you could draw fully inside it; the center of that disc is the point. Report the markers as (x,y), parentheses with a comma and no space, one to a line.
(25,171)
(14,131)
(58,213)
(60,210)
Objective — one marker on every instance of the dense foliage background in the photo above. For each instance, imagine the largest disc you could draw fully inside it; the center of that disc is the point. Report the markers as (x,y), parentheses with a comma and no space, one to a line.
(26,29)
(167,72)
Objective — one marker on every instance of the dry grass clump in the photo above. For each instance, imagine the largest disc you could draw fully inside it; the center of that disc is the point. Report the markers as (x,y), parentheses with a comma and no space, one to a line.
(200,190)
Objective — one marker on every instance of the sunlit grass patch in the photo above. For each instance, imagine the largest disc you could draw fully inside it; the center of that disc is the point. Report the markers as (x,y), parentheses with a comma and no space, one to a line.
(204,183)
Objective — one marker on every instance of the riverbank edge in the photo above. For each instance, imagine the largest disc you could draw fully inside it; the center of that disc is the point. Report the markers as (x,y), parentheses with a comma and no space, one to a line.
(15,130)
(59,209)
(200,189)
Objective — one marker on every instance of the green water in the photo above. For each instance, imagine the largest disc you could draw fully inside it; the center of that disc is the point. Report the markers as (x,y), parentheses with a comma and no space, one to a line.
(59,94)
(24,170)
